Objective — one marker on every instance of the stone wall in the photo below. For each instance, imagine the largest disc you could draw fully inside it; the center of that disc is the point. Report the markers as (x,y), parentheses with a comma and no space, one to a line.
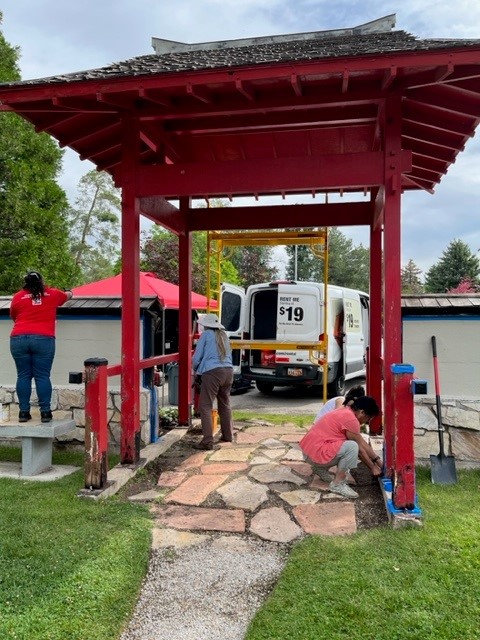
(461,420)
(69,402)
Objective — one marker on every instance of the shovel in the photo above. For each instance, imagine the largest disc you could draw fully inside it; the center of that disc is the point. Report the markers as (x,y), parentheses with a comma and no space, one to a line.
(443,467)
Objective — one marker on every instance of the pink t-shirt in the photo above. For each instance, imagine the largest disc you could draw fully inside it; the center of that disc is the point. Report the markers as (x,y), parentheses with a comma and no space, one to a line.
(322,443)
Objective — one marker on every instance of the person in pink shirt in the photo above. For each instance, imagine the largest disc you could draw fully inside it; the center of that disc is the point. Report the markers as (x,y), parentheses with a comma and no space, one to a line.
(32,341)
(335,439)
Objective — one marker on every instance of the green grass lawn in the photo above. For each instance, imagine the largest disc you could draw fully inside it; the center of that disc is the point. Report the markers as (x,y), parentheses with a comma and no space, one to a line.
(70,568)
(385,584)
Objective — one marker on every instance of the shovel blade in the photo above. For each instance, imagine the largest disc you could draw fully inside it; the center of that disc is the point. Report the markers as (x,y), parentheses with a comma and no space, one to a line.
(443,469)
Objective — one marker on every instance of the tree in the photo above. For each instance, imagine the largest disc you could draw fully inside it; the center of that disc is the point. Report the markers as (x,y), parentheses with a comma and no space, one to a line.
(465,286)
(160,256)
(456,264)
(33,226)
(95,226)
(410,275)
(252,264)
(348,263)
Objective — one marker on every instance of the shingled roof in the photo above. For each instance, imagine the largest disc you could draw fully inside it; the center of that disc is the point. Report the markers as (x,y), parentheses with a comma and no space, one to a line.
(441,304)
(318,45)
(268,115)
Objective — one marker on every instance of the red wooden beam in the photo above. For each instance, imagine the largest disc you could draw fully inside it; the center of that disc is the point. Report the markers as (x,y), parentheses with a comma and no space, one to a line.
(391,263)
(185,328)
(130,380)
(280,216)
(375,362)
(161,211)
(263,176)
(255,121)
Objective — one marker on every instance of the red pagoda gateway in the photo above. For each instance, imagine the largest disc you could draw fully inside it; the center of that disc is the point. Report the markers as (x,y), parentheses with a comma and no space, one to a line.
(368,110)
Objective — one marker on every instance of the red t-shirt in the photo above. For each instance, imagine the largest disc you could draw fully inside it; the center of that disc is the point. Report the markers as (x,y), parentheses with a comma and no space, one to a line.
(322,443)
(36,317)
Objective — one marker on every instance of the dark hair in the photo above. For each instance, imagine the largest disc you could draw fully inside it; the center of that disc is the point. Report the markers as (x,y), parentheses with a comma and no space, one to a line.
(355,392)
(33,282)
(367,405)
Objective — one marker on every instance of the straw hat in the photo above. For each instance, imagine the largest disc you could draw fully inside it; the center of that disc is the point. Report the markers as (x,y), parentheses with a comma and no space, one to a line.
(210,321)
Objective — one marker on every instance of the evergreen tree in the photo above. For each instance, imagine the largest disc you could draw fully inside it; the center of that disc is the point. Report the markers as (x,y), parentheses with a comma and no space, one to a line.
(95,226)
(456,264)
(302,263)
(33,226)
(410,275)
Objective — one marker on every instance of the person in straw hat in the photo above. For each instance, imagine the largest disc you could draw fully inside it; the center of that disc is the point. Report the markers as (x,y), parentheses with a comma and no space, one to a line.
(213,361)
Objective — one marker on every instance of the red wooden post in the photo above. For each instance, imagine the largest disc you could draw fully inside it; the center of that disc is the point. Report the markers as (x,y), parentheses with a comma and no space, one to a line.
(391,264)
(402,434)
(96,433)
(130,380)
(375,363)
(185,321)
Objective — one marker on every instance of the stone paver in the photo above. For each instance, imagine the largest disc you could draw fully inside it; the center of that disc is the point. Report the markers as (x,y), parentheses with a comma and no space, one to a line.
(280,487)
(273,443)
(267,473)
(302,468)
(300,496)
(234,454)
(162,538)
(326,518)
(273,454)
(196,489)
(194,461)
(200,518)
(295,455)
(318,484)
(249,438)
(275,525)
(260,460)
(244,494)
(292,437)
(215,468)
(171,478)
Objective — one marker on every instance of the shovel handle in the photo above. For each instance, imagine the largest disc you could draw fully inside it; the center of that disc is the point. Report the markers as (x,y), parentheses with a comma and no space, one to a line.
(435,366)
(437,398)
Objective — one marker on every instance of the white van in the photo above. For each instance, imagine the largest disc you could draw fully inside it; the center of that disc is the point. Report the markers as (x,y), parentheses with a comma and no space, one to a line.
(294,311)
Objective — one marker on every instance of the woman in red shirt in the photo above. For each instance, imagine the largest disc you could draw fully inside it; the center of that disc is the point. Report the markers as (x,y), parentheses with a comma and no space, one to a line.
(32,341)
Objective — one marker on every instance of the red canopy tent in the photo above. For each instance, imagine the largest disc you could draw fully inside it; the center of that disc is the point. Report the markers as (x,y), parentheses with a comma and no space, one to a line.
(150,285)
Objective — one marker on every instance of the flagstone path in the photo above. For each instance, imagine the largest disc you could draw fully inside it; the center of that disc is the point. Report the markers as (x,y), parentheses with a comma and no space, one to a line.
(259,486)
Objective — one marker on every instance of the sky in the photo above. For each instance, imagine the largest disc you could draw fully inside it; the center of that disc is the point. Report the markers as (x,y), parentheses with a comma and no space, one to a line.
(63,36)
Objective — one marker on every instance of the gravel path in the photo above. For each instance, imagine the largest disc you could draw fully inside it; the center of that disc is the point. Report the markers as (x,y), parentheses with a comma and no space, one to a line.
(205,592)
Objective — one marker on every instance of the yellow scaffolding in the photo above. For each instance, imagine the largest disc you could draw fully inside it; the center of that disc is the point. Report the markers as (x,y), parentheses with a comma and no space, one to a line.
(218,241)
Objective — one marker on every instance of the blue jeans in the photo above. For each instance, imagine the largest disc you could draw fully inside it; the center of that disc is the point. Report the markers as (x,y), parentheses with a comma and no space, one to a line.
(33,355)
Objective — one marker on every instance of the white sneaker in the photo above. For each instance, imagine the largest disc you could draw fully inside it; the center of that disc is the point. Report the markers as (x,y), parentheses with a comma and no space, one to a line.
(342,489)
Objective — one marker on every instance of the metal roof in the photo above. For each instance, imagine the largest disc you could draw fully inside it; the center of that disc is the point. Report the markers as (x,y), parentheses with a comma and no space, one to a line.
(444,302)
(278,106)
(88,304)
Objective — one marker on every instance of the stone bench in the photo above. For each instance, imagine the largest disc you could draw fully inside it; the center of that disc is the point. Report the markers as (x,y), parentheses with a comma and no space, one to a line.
(37,442)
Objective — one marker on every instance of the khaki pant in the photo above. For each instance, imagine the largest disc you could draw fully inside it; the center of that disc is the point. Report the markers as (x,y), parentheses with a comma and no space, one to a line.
(216,385)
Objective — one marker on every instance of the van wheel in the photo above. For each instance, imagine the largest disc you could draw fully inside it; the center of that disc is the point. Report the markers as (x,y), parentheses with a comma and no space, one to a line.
(264,387)
(337,387)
